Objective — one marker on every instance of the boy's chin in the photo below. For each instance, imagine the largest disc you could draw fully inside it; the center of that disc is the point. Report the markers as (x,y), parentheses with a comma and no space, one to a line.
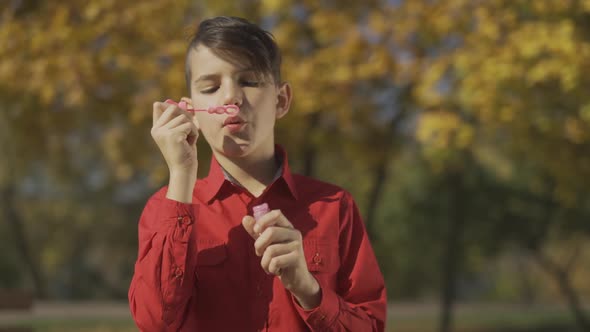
(235,148)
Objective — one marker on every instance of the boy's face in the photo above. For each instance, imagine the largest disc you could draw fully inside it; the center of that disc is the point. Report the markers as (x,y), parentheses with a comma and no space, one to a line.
(215,82)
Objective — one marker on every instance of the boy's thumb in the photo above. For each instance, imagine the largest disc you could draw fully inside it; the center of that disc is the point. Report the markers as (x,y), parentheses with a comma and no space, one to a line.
(248,222)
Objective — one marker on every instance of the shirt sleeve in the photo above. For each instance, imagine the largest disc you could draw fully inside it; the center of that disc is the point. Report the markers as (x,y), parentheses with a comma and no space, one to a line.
(360,303)
(164,278)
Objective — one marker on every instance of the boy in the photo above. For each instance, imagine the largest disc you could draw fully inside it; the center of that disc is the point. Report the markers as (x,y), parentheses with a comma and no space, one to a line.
(204,263)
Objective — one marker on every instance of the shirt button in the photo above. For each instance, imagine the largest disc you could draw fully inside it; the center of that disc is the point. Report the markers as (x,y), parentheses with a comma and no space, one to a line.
(178,272)
(317,259)
(186,220)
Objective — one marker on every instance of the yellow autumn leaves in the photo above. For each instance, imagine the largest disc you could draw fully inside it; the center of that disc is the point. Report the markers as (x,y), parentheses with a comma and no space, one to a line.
(512,66)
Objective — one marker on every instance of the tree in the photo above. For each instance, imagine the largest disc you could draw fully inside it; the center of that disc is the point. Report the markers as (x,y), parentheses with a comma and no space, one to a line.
(513,78)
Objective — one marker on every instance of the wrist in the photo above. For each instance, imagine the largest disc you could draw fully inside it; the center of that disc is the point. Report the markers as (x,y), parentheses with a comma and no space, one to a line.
(181,186)
(310,295)
(182,173)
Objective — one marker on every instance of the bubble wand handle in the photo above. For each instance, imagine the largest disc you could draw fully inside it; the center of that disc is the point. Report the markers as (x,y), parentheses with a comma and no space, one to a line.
(225,109)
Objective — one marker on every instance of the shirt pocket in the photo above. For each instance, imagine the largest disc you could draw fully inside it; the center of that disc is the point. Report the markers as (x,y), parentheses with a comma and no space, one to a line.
(211,259)
(321,256)
(211,252)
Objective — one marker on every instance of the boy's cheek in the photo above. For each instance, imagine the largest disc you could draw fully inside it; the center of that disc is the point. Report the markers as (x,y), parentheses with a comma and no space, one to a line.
(203,121)
(207,129)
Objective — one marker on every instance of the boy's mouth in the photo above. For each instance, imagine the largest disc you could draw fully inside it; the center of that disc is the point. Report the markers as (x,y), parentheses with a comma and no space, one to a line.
(232,120)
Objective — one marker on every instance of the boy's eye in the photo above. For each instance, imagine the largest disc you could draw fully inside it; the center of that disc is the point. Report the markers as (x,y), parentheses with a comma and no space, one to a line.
(210,90)
(252,83)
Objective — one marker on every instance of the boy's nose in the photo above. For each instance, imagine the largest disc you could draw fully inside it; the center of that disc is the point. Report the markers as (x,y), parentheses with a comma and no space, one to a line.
(233,96)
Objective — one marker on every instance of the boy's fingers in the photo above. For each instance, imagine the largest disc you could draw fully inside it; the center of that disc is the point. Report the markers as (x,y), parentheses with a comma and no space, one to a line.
(194,130)
(176,121)
(170,112)
(282,220)
(277,264)
(273,235)
(158,110)
(189,105)
(248,222)
(165,115)
(187,101)
(273,251)
(196,123)
(184,129)
(273,218)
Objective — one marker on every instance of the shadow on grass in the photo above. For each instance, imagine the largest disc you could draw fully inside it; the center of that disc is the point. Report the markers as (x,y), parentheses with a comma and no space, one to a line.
(544,328)
(537,328)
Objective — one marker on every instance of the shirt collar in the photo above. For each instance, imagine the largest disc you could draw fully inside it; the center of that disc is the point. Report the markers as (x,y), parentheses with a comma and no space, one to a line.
(217,175)
(233,180)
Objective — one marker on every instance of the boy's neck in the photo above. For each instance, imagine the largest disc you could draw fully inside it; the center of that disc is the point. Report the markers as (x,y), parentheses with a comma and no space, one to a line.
(254,173)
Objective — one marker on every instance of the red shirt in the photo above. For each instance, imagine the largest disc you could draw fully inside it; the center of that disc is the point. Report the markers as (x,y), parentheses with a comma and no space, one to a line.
(197,270)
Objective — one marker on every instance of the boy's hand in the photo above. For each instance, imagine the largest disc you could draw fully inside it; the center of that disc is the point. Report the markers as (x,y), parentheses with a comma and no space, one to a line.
(281,248)
(175,132)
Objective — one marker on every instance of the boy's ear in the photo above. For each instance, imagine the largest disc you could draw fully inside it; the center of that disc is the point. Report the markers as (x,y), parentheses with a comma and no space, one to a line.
(284,97)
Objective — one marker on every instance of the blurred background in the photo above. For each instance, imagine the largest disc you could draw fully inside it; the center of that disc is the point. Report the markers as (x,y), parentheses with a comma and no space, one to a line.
(461,127)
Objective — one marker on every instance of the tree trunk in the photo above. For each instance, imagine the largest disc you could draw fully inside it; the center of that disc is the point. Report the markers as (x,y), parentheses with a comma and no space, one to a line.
(310,150)
(380,173)
(573,301)
(528,295)
(561,276)
(375,195)
(20,239)
(451,256)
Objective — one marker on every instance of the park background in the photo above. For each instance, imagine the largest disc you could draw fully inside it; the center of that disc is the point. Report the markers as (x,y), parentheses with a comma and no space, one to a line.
(461,127)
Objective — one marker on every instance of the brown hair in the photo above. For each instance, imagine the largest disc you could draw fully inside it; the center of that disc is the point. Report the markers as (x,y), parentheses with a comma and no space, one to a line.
(237,41)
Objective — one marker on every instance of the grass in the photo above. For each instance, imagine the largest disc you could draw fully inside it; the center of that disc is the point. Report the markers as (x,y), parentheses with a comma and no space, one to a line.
(480,320)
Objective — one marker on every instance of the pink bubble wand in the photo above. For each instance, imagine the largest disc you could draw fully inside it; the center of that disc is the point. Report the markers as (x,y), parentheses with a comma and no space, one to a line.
(225,109)
(260,210)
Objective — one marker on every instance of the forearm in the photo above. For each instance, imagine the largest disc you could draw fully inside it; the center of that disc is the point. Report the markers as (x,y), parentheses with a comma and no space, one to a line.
(150,313)
(337,314)
(164,277)
(310,294)
(358,301)
(157,296)
(181,186)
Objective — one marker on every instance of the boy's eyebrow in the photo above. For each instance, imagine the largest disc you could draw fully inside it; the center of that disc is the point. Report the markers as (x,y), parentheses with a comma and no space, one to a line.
(205,77)
(213,76)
